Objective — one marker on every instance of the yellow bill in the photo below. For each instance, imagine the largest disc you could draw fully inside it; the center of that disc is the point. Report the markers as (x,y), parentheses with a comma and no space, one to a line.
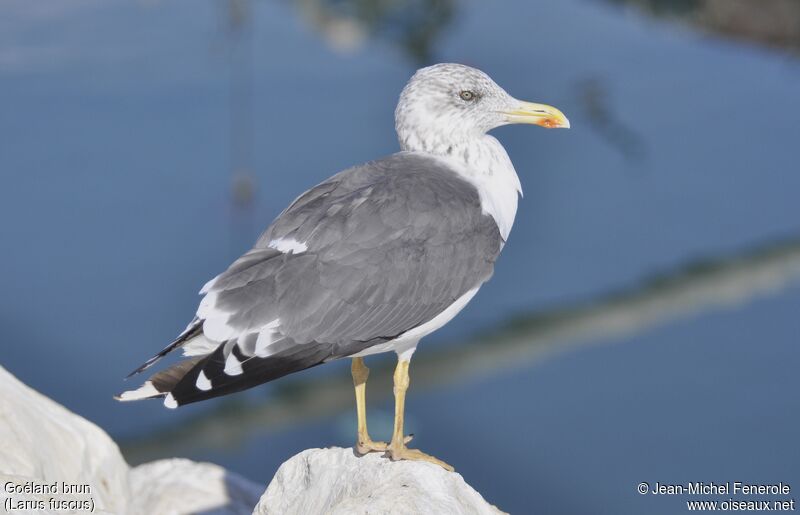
(542,115)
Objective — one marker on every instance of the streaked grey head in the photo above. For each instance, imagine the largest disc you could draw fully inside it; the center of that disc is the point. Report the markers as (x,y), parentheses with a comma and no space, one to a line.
(447,104)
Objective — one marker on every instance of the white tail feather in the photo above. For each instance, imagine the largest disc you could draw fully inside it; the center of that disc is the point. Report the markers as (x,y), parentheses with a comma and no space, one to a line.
(146,391)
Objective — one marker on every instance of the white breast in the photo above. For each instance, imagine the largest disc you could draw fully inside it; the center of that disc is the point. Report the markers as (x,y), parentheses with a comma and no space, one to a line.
(485,163)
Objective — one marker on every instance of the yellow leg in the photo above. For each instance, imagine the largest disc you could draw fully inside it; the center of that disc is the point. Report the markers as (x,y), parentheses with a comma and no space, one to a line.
(397,448)
(364,443)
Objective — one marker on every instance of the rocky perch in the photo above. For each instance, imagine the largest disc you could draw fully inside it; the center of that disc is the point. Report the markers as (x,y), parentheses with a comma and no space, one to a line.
(53,461)
(335,481)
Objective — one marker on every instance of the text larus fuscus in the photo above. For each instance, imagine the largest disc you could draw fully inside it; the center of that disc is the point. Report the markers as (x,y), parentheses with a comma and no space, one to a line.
(369,261)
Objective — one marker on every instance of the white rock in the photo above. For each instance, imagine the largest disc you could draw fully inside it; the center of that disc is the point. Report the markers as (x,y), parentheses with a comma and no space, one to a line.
(183,486)
(44,444)
(41,442)
(335,481)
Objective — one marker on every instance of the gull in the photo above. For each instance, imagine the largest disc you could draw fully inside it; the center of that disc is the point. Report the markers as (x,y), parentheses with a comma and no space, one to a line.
(369,261)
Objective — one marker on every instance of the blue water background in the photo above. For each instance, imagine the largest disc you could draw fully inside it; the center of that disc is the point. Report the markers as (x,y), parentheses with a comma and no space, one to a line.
(115,209)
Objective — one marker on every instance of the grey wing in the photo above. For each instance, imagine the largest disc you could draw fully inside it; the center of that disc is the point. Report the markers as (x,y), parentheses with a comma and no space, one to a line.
(371,253)
(388,246)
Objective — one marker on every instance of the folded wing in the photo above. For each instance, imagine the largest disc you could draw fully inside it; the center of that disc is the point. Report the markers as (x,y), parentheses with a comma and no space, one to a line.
(362,258)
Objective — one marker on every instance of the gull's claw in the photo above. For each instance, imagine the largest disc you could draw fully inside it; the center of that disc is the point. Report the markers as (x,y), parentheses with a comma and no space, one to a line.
(401,452)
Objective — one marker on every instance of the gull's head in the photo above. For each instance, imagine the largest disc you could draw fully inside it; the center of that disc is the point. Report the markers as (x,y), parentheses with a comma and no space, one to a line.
(450,103)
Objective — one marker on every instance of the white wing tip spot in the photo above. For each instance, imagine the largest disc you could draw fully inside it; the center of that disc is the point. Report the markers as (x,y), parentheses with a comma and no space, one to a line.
(170,402)
(232,365)
(202,382)
(287,245)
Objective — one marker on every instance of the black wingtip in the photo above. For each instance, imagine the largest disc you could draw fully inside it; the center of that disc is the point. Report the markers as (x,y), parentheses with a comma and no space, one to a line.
(193,330)
(144,366)
(132,374)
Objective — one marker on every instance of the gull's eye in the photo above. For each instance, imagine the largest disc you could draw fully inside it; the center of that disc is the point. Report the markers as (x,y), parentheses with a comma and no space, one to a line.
(467,95)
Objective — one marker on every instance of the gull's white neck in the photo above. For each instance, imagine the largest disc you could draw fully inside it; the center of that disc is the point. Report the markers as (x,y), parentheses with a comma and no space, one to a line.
(484,162)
